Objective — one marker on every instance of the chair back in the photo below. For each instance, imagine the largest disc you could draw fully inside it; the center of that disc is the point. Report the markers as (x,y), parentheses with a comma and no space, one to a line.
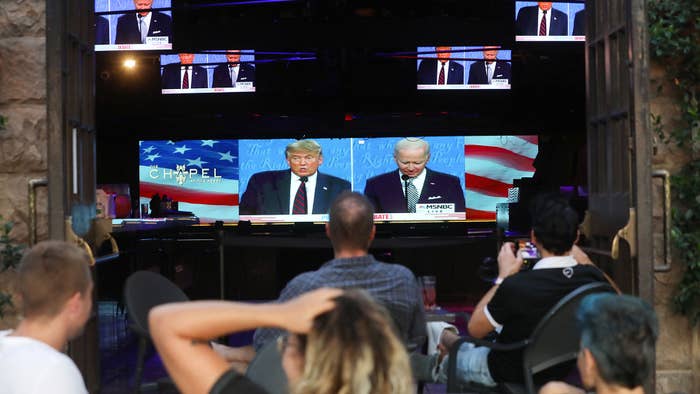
(556,338)
(144,290)
(266,369)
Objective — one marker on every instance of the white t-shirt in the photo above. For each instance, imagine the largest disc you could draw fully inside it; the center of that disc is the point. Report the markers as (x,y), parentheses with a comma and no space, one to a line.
(28,366)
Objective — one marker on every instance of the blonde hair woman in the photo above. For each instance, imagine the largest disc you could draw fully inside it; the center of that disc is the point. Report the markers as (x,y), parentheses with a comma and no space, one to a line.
(339,342)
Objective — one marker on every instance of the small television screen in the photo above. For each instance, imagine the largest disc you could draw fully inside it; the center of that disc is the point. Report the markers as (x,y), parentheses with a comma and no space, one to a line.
(412,179)
(463,67)
(125,25)
(549,21)
(228,71)
(200,177)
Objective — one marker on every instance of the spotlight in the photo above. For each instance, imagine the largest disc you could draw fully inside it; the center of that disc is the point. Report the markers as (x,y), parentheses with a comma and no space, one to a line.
(130,63)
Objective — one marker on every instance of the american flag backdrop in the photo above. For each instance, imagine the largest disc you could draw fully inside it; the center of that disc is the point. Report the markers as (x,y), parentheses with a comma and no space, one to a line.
(202,175)
(491,164)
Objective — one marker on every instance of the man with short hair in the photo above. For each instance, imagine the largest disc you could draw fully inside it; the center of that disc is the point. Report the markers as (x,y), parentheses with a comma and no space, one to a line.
(413,183)
(519,299)
(351,231)
(483,72)
(441,70)
(227,75)
(618,339)
(55,288)
(184,75)
(301,189)
(136,27)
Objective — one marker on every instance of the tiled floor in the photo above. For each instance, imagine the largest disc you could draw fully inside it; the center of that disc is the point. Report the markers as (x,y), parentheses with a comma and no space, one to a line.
(118,350)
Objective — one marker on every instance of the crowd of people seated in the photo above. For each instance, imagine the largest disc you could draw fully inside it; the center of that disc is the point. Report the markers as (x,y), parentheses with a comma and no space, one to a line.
(336,338)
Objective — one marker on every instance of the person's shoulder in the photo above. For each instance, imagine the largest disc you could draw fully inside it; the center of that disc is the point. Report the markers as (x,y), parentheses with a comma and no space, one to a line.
(443,175)
(558,12)
(161,16)
(332,178)
(379,177)
(396,270)
(269,174)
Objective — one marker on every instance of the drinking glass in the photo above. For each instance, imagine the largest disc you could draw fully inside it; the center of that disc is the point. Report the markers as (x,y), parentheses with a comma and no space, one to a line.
(427,284)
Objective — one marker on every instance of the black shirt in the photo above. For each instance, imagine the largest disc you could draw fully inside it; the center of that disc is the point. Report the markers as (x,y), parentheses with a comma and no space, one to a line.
(520,303)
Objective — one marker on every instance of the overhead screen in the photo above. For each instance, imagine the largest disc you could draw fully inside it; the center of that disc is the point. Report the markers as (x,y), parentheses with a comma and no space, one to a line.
(226,71)
(249,179)
(549,21)
(150,29)
(463,67)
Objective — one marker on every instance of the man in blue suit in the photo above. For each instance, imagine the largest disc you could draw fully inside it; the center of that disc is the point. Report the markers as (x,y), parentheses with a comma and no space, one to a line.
(389,192)
(278,192)
(529,21)
(440,71)
(134,28)
(580,23)
(483,72)
(174,74)
(101,30)
(224,74)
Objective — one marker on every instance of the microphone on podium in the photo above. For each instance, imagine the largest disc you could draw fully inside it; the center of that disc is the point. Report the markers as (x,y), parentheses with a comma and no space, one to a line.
(405,179)
(304,179)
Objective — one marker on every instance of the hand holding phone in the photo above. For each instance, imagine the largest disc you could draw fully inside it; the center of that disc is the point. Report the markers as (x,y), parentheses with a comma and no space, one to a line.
(508,261)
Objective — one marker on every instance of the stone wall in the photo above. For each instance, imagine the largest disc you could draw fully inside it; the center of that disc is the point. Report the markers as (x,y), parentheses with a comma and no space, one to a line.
(23,145)
(678,349)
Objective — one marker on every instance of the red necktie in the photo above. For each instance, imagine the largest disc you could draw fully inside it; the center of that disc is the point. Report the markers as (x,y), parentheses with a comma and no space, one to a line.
(441,77)
(186,80)
(543,24)
(299,207)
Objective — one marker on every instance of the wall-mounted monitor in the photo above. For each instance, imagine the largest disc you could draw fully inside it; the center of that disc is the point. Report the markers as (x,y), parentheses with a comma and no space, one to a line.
(463,67)
(549,21)
(414,179)
(125,25)
(229,71)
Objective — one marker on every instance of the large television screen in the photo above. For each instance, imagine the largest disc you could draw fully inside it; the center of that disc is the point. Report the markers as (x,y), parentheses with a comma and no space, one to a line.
(463,67)
(148,29)
(549,21)
(413,179)
(227,71)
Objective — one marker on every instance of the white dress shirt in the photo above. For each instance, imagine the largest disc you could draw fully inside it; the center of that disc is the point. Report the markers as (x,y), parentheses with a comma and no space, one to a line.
(418,182)
(147,20)
(539,19)
(310,191)
(437,72)
(186,68)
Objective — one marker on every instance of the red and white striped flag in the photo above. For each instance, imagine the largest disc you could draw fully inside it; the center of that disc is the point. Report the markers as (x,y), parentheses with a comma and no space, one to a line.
(491,164)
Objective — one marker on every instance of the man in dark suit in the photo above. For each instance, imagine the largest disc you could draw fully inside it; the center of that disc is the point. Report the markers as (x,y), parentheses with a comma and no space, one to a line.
(303,190)
(580,23)
(134,28)
(226,75)
(483,72)
(184,75)
(101,30)
(440,71)
(529,21)
(393,191)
